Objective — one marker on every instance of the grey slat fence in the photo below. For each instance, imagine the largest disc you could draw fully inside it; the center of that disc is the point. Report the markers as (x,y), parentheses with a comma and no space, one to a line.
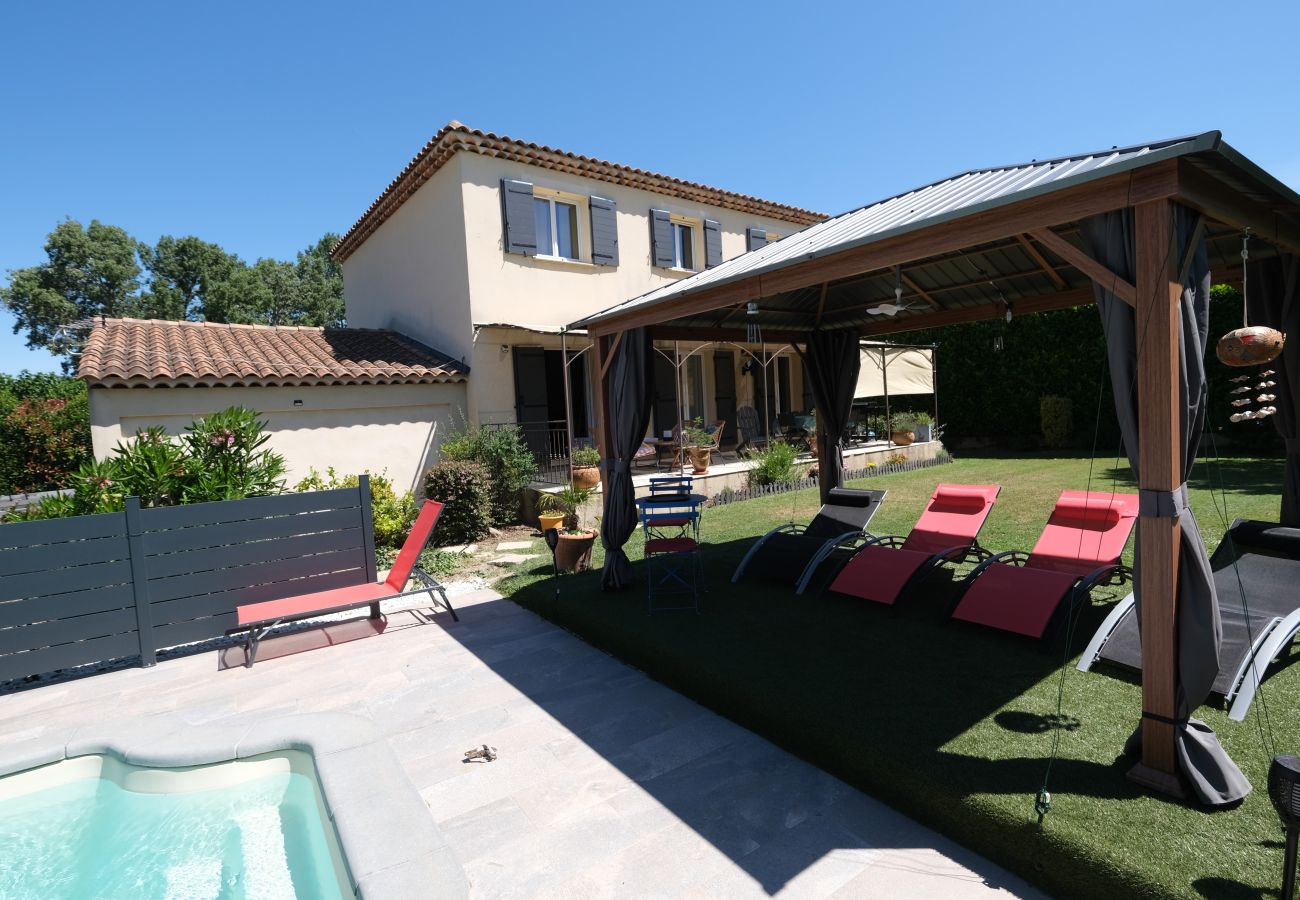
(90,589)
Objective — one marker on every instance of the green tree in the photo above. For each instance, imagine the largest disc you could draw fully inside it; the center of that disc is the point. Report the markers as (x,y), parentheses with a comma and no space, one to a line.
(181,273)
(87,272)
(321,282)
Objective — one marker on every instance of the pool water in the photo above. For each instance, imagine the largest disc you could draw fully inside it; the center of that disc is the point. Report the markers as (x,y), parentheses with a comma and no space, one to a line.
(93,827)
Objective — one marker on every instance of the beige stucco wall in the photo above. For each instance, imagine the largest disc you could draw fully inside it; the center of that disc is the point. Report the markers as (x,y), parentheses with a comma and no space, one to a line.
(438,267)
(395,429)
(411,275)
(522,290)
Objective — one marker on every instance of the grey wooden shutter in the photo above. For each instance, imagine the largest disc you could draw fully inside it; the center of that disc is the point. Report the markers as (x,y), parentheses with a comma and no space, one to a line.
(661,237)
(755,238)
(517,217)
(712,244)
(604,231)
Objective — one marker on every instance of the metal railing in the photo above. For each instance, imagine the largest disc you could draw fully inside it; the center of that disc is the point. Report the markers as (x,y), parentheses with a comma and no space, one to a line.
(549,442)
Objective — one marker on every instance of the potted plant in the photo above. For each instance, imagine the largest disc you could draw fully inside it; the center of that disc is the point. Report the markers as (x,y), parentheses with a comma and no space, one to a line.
(573,551)
(584,467)
(902,428)
(924,427)
(699,445)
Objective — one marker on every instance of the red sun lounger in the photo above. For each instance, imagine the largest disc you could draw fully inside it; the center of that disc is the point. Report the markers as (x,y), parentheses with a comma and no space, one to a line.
(1079,549)
(946,532)
(259,618)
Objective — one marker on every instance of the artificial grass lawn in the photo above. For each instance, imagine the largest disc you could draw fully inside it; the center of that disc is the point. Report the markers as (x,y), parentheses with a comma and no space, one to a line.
(954,724)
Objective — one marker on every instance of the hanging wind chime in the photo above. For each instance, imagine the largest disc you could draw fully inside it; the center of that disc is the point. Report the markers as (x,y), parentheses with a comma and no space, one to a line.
(1249,345)
(753,331)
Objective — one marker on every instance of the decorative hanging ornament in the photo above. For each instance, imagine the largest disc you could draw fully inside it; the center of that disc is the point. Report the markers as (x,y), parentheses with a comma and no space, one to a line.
(1249,345)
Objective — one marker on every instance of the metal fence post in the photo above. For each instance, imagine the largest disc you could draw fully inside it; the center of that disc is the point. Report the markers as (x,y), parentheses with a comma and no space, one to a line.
(367,528)
(140,582)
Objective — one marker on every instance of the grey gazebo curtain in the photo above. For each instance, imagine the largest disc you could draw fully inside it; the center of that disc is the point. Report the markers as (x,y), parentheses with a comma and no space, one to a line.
(1212,774)
(1274,297)
(833,364)
(627,403)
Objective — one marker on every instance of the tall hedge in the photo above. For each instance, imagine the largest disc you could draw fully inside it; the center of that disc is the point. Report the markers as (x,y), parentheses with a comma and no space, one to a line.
(991,394)
(44,431)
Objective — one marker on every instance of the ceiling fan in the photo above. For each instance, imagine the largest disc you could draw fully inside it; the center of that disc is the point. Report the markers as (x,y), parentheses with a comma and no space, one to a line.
(893,309)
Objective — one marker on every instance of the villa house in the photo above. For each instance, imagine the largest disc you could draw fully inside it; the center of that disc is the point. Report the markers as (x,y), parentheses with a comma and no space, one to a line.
(485,247)
(458,282)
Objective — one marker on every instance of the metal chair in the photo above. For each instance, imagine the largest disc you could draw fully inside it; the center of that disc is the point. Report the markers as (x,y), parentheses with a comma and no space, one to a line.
(673,574)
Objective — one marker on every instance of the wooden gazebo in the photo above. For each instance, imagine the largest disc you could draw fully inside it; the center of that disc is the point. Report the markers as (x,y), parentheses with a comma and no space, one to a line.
(990,242)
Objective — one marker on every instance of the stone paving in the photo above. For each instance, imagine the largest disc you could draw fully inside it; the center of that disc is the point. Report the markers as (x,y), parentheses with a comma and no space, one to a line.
(607,783)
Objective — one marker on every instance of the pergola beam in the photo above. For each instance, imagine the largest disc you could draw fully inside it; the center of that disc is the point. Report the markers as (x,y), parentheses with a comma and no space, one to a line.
(1041,303)
(1048,269)
(1201,192)
(1101,275)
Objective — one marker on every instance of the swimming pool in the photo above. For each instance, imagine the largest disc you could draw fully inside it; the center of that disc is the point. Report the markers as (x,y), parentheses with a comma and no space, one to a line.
(96,827)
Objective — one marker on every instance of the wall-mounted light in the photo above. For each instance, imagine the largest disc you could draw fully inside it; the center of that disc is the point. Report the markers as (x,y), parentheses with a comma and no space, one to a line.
(505,348)
(297,403)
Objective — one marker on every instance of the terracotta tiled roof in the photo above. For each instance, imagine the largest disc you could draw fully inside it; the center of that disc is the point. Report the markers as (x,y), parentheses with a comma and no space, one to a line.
(455,137)
(151,353)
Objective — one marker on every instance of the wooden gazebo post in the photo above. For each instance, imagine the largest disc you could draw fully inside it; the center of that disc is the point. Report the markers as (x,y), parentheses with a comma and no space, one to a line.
(1160,461)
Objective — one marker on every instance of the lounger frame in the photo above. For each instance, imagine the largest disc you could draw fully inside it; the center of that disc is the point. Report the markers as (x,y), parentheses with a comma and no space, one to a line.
(1274,636)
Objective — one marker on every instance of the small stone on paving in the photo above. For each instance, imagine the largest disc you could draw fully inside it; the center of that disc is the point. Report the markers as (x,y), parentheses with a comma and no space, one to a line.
(512,559)
(515,545)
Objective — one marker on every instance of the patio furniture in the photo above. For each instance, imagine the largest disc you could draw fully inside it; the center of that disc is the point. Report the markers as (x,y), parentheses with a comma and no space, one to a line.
(885,567)
(673,506)
(673,573)
(792,553)
(257,619)
(748,430)
(1080,547)
(1256,569)
(646,452)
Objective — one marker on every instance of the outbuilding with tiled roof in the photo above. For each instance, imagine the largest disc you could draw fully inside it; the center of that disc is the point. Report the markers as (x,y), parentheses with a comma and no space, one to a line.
(355,399)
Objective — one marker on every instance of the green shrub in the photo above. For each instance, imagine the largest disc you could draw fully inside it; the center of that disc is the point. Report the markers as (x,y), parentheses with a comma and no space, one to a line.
(1057,414)
(438,563)
(220,457)
(903,422)
(44,431)
(775,464)
(585,456)
(504,453)
(227,460)
(393,513)
(465,489)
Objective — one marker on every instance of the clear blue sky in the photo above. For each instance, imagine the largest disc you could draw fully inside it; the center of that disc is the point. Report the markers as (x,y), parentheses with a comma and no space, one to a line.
(262,125)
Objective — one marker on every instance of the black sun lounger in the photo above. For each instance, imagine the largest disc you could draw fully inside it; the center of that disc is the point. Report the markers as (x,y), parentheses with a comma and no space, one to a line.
(792,553)
(1260,612)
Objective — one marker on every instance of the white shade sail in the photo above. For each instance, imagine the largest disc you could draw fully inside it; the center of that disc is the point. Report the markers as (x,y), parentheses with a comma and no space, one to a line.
(906,370)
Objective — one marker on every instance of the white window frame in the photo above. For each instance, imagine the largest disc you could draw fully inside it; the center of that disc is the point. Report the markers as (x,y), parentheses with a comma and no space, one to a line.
(697,241)
(582,211)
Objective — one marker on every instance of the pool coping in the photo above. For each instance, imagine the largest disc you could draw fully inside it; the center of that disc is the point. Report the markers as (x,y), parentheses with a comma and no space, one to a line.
(387,834)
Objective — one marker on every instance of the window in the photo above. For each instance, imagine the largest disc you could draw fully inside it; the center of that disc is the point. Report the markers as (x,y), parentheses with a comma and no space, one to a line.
(556,224)
(683,246)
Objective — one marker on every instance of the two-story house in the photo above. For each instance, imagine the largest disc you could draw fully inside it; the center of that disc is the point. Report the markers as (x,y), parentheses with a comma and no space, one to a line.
(485,246)
(459,280)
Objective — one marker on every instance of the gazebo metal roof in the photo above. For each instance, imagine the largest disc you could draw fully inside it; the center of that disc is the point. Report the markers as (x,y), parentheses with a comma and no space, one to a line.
(1007,270)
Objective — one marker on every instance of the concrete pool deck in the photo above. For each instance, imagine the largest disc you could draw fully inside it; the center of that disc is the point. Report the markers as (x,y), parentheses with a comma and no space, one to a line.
(607,783)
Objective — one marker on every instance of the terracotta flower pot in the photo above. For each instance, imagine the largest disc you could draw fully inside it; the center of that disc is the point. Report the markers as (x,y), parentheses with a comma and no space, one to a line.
(584,477)
(700,458)
(573,552)
(902,438)
(550,520)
